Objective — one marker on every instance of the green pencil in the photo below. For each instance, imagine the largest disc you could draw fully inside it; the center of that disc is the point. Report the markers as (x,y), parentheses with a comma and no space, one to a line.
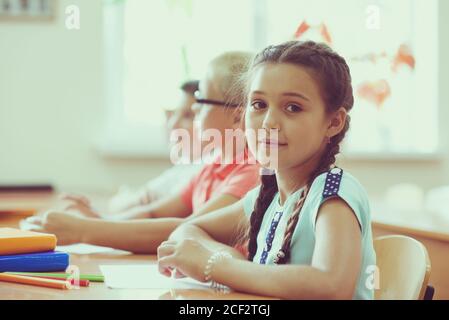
(90,277)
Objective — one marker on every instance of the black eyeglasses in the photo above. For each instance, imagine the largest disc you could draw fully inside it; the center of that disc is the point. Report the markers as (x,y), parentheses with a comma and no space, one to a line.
(214,102)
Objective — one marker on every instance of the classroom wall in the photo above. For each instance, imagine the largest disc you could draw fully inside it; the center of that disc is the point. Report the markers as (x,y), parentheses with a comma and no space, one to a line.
(52,107)
(379,175)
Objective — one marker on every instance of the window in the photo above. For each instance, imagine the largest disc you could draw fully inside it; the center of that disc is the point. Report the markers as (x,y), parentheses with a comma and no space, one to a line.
(391,47)
(152,47)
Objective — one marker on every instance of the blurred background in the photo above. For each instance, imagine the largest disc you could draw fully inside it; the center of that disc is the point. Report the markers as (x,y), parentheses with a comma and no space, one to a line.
(84,85)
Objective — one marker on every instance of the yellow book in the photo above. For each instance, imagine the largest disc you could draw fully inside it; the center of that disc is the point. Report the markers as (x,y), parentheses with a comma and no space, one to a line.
(15,241)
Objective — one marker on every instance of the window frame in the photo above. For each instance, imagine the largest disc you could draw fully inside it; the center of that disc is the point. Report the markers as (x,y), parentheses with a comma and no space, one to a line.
(120,139)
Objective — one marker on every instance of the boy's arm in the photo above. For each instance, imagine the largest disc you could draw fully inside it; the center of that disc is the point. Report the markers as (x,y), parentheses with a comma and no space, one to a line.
(174,206)
(171,206)
(138,235)
(145,235)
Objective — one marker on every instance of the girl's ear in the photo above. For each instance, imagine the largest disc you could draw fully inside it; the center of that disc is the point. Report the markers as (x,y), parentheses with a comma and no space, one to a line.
(337,122)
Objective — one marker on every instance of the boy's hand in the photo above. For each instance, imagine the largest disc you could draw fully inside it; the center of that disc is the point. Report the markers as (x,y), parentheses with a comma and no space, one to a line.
(81,204)
(66,227)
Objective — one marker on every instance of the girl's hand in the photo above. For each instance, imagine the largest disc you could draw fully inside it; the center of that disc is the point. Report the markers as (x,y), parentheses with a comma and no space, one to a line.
(81,204)
(66,227)
(188,257)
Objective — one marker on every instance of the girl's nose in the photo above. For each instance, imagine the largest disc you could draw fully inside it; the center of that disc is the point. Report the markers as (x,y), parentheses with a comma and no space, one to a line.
(271,121)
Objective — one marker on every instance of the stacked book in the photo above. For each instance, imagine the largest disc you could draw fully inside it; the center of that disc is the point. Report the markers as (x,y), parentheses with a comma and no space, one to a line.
(27,251)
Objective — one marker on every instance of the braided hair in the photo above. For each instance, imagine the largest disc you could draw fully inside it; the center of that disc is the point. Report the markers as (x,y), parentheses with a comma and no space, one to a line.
(334,79)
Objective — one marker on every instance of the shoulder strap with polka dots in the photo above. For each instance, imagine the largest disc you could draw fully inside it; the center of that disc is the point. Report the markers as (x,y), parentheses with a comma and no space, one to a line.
(332,184)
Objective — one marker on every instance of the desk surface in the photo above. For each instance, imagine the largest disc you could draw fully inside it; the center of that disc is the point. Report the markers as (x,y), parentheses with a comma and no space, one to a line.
(429,228)
(90,264)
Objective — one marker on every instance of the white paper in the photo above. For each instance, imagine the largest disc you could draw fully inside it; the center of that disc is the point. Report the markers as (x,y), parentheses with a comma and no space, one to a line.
(144,277)
(84,248)
(26,226)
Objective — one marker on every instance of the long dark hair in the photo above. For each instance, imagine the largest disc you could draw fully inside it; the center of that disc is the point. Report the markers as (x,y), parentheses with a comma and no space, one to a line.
(334,79)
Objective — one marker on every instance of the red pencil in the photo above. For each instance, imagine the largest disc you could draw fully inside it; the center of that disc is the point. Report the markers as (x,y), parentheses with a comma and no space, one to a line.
(81,283)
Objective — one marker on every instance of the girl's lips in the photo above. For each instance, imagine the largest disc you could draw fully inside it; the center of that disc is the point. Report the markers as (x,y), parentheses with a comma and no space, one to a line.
(272,143)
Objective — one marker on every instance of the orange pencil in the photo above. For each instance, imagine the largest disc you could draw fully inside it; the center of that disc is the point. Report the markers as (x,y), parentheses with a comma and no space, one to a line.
(34,281)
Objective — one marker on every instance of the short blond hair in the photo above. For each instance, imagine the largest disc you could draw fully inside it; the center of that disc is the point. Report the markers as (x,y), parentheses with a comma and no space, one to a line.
(228,69)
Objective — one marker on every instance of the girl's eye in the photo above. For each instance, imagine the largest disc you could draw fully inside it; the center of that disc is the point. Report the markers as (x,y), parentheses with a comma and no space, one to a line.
(293,108)
(258,105)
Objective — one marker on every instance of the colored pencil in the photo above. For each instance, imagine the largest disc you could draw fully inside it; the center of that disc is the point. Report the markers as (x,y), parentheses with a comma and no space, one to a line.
(34,281)
(90,277)
(81,283)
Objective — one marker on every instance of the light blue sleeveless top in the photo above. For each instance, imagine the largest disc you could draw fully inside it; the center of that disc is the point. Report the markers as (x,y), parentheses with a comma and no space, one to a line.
(335,183)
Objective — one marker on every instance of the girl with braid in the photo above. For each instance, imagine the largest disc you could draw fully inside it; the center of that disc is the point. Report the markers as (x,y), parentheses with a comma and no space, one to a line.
(308,223)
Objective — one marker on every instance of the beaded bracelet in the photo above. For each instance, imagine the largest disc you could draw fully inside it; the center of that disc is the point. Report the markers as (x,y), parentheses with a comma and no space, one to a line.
(213,259)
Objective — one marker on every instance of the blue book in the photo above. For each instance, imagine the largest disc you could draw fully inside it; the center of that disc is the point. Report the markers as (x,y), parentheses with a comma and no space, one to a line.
(35,262)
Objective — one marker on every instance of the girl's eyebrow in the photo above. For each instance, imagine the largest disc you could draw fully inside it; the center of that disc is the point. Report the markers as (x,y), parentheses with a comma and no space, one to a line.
(289,94)
(295,94)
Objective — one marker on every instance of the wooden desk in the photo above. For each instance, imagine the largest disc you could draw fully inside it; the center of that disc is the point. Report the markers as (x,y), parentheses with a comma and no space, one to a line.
(25,203)
(430,234)
(99,291)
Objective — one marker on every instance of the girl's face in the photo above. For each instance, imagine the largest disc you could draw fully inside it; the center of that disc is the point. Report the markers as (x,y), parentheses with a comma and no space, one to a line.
(284,97)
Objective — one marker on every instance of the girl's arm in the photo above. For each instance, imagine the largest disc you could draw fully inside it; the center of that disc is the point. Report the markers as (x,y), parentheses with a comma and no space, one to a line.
(217,230)
(332,274)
